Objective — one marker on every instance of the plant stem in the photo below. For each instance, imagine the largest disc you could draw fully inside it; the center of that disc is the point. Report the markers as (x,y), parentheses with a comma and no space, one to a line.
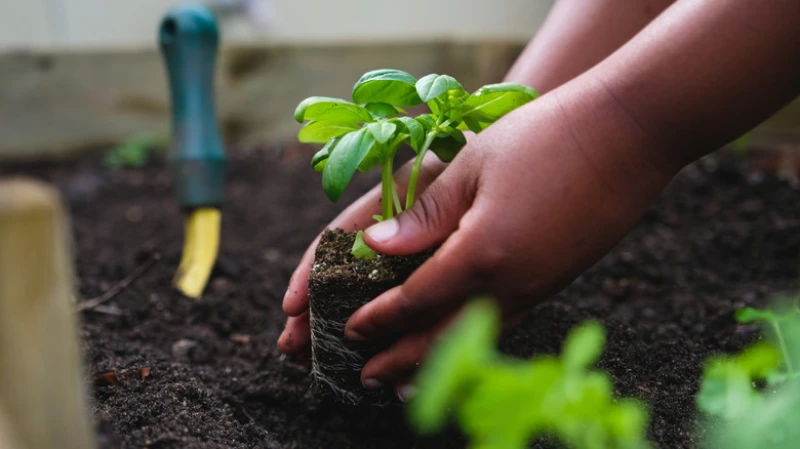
(412,180)
(387,186)
(777,328)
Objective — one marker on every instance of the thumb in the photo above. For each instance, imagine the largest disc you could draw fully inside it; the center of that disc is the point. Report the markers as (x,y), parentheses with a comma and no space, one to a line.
(432,218)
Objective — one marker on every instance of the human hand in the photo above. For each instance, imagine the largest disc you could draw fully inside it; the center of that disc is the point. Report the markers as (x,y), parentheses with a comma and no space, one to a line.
(526,206)
(296,337)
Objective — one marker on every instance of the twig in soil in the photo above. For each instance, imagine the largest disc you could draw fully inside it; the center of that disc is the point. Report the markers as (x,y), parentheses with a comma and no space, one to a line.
(122,285)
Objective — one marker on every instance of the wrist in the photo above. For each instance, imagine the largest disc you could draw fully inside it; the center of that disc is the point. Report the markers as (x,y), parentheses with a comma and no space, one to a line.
(599,120)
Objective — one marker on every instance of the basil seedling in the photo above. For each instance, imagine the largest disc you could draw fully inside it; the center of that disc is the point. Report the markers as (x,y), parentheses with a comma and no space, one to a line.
(366,132)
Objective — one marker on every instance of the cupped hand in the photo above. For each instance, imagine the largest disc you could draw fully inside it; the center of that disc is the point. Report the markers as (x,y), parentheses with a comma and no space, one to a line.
(527,206)
(296,337)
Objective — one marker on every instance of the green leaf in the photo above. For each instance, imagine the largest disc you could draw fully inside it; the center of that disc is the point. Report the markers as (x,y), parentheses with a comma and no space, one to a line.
(416,133)
(361,250)
(434,86)
(320,159)
(748,315)
(382,110)
(394,87)
(491,102)
(322,132)
(382,131)
(583,346)
(331,110)
(343,161)
(726,388)
(474,125)
(448,145)
(427,121)
(454,363)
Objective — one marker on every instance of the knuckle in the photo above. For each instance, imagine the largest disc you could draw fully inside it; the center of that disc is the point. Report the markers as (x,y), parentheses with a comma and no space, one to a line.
(405,307)
(490,262)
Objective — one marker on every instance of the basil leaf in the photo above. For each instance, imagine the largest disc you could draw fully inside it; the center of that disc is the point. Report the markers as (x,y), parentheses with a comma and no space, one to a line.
(583,346)
(332,110)
(434,86)
(416,133)
(322,132)
(382,131)
(426,121)
(394,87)
(491,102)
(381,110)
(343,161)
(447,146)
(320,159)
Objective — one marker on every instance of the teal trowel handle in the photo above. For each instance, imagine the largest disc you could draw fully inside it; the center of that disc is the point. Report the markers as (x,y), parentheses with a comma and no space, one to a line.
(189,38)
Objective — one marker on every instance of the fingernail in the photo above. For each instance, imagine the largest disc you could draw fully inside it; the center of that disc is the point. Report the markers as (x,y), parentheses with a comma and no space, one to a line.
(372,384)
(406,392)
(383,231)
(350,334)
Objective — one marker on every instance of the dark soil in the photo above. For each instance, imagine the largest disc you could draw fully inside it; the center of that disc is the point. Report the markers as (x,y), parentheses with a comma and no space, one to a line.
(715,242)
(338,285)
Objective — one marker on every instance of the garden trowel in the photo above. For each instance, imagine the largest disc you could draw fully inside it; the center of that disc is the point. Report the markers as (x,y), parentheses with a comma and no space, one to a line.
(189,38)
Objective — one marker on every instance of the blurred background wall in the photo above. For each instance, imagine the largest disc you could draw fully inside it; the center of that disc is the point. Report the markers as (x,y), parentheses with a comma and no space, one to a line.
(85,74)
(117,24)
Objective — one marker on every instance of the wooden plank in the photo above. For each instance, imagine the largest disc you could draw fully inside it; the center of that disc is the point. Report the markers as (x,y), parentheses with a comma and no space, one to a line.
(40,370)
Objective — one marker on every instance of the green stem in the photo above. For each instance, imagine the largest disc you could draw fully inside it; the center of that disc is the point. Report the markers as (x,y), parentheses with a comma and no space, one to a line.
(412,180)
(387,185)
(777,328)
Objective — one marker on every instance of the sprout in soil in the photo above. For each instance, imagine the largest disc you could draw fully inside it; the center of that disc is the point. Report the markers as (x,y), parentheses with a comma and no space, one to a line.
(752,400)
(367,132)
(503,403)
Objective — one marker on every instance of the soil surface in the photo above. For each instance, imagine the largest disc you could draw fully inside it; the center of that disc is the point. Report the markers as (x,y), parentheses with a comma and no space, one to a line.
(716,241)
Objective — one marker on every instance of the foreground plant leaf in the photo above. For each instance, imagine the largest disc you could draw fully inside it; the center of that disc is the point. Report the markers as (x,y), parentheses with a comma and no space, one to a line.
(199,251)
(741,412)
(504,403)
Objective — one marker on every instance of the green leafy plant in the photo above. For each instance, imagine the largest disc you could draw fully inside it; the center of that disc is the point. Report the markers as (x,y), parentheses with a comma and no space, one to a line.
(135,151)
(367,132)
(752,400)
(503,403)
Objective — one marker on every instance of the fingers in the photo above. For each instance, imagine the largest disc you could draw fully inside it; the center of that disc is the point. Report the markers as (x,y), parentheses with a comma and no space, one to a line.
(396,364)
(432,218)
(296,337)
(437,288)
(357,216)
(295,301)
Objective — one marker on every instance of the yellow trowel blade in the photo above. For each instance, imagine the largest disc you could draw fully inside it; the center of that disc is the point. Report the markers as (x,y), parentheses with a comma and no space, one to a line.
(199,251)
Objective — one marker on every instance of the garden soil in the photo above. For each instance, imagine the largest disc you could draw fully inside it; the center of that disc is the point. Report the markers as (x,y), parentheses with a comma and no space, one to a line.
(206,374)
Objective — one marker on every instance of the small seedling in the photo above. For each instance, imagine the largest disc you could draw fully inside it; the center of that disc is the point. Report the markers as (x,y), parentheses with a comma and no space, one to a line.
(752,400)
(366,132)
(136,150)
(504,403)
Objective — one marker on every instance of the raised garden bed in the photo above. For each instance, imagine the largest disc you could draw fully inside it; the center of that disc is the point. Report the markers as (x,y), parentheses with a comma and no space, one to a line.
(716,241)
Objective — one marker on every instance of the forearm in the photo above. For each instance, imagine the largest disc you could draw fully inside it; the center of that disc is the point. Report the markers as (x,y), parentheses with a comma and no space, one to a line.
(705,72)
(577,35)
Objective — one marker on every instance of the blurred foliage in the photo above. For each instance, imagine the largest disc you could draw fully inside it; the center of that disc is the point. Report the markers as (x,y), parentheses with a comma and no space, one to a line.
(752,400)
(502,402)
(136,151)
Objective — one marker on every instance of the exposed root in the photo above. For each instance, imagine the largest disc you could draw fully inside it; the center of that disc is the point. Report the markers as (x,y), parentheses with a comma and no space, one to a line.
(324,337)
